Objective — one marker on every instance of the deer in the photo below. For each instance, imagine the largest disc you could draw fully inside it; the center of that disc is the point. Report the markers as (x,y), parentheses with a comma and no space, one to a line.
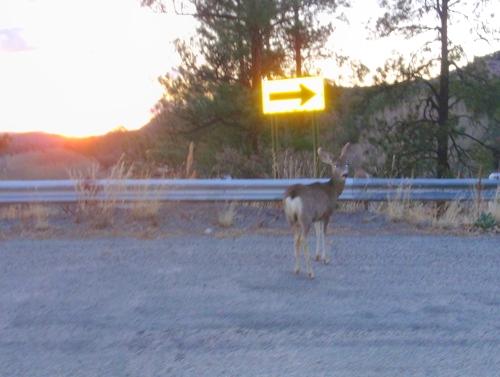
(305,205)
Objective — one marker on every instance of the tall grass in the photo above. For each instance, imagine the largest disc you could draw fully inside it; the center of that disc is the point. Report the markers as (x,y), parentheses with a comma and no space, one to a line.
(147,209)
(226,217)
(32,216)
(494,206)
(96,203)
(292,164)
(454,214)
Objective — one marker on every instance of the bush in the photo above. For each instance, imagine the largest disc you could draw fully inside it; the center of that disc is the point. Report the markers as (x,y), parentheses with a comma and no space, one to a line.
(485,221)
(234,163)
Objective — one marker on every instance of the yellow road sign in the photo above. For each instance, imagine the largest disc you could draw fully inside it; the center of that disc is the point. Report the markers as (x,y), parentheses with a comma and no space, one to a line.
(293,95)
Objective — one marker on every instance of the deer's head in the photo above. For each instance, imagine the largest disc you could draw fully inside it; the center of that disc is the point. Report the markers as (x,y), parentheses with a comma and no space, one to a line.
(340,168)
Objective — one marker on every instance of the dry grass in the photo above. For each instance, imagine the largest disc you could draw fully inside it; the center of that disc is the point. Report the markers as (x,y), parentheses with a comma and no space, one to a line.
(100,212)
(494,206)
(226,217)
(98,205)
(399,208)
(147,209)
(32,216)
(453,215)
(351,206)
(291,164)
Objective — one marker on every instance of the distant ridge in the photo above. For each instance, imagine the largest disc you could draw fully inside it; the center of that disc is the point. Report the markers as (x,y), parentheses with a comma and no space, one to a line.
(34,141)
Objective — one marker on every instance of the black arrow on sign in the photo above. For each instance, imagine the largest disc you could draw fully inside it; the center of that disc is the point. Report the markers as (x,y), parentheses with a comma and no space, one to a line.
(304,94)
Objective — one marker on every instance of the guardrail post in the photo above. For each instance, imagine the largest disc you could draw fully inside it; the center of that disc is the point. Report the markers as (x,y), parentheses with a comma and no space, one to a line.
(478,193)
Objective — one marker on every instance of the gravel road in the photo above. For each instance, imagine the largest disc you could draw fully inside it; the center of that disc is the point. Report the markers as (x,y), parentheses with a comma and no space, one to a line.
(388,305)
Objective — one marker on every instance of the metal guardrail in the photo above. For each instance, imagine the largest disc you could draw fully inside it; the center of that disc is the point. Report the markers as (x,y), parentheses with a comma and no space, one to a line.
(371,189)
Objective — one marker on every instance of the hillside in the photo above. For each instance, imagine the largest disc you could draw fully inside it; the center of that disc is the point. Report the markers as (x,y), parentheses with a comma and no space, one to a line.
(37,155)
(33,141)
(351,117)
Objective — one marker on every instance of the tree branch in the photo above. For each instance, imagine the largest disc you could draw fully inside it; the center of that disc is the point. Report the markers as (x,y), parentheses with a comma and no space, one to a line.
(460,152)
(209,123)
(491,148)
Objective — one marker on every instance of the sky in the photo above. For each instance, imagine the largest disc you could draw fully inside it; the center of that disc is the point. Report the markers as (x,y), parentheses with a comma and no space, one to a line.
(80,67)
(85,67)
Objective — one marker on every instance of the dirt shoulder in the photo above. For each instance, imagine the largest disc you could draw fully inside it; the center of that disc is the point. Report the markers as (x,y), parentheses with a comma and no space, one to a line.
(216,219)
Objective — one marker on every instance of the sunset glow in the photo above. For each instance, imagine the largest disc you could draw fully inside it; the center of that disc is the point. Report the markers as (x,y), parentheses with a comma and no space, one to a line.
(81,68)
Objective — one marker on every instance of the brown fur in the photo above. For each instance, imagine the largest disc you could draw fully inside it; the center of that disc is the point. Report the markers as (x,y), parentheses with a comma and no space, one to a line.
(314,203)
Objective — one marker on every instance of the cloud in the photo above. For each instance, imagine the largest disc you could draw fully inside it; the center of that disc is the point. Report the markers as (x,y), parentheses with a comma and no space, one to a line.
(11,40)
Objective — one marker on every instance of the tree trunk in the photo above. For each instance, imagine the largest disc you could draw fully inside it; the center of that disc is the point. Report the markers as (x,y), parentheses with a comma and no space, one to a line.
(243,74)
(443,167)
(297,40)
(256,76)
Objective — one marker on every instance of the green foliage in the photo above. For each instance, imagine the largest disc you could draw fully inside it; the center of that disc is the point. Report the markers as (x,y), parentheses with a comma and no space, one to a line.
(232,162)
(303,32)
(485,221)
(437,103)
(408,145)
(480,91)
(213,99)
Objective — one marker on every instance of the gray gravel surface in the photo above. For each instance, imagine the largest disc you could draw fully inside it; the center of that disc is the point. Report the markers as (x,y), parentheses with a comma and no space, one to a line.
(388,305)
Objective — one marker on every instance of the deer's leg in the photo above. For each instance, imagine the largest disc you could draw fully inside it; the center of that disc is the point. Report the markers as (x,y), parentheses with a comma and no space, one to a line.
(310,271)
(324,227)
(296,244)
(318,231)
(303,236)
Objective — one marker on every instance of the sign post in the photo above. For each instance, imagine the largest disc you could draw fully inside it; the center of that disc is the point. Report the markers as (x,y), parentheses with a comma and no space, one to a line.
(315,144)
(274,145)
(297,95)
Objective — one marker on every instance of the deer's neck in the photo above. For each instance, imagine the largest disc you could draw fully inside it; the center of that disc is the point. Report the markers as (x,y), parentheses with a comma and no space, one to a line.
(335,186)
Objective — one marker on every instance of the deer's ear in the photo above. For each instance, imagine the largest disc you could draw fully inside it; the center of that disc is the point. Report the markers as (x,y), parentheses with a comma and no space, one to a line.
(343,153)
(325,157)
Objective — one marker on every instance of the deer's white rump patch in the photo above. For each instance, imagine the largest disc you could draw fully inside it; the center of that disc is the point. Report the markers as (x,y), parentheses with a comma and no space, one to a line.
(293,208)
